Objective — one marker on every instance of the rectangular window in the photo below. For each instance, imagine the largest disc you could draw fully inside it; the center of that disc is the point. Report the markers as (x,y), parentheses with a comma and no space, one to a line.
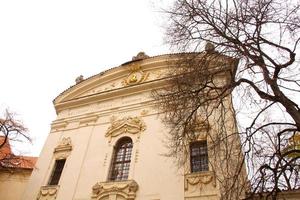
(199,156)
(56,173)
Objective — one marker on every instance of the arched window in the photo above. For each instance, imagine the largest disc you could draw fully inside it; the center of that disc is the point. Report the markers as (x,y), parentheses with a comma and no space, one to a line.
(121,160)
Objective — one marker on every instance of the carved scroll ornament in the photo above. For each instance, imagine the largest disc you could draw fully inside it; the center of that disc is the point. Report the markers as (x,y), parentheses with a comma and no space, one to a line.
(131,125)
(126,189)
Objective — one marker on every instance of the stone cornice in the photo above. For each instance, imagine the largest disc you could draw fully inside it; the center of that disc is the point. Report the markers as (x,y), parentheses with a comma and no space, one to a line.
(117,73)
(132,74)
(108,95)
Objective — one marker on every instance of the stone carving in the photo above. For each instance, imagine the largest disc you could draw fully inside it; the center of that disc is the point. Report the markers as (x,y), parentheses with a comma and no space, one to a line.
(158,74)
(132,125)
(202,125)
(136,75)
(144,112)
(79,79)
(57,126)
(209,47)
(48,192)
(64,145)
(126,189)
(140,56)
(199,179)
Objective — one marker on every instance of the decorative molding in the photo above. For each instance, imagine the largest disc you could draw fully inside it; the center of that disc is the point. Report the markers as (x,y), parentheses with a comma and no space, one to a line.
(199,179)
(159,74)
(88,120)
(48,192)
(126,189)
(105,160)
(132,125)
(136,75)
(144,112)
(136,158)
(57,126)
(202,124)
(63,149)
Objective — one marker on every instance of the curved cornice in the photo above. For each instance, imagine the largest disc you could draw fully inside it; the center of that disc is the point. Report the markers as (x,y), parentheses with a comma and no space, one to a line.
(78,94)
(119,70)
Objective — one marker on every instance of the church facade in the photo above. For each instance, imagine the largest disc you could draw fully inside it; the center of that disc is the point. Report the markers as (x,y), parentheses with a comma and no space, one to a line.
(107,142)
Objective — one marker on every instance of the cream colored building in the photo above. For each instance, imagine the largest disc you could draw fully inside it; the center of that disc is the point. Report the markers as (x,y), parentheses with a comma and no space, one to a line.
(107,142)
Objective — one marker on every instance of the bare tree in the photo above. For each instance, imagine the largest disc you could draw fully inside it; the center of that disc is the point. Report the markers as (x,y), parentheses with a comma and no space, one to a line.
(250,56)
(11,129)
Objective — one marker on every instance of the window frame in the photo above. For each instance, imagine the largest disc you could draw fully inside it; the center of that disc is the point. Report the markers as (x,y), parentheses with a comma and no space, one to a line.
(201,156)
(56,172)
(121,157)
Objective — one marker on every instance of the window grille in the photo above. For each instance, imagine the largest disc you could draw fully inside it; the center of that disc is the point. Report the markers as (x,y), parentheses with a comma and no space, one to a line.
(199,156)
(121,161)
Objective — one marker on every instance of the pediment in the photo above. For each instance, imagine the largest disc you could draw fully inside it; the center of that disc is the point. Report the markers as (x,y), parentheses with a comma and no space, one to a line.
(131,125)
(130,74)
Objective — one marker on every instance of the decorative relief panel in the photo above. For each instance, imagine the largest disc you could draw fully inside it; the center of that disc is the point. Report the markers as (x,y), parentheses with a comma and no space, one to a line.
(132,125)
(199,179)
(202,124)
(64,145)
(136,75)
(115,190)
(62,150)
(48,192)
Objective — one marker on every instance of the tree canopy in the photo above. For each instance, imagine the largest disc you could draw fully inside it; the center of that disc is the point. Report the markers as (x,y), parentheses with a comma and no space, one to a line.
(260,39)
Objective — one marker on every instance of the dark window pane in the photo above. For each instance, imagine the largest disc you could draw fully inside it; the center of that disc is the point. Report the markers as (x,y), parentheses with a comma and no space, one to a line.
(199,156)
(56,173)
(121,160)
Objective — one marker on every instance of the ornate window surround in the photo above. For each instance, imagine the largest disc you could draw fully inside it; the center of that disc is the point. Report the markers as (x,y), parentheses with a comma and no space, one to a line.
(200,178)
(61,151)
(133,126)
(125,127)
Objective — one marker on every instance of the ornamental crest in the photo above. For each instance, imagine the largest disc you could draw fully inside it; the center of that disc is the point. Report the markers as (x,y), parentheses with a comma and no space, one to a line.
(132,125)
(136,75)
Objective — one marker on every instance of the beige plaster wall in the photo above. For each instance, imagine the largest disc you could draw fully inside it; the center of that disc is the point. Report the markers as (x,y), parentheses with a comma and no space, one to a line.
(13,183)
(89,162)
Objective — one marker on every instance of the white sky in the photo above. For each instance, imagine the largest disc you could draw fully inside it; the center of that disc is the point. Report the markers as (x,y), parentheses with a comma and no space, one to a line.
(45,45)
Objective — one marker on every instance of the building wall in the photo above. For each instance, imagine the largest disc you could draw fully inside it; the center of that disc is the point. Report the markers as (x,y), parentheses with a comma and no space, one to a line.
(13,183)
(91,117)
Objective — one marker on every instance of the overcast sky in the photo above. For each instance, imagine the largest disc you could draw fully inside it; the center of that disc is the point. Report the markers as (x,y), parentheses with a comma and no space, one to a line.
(45,45)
